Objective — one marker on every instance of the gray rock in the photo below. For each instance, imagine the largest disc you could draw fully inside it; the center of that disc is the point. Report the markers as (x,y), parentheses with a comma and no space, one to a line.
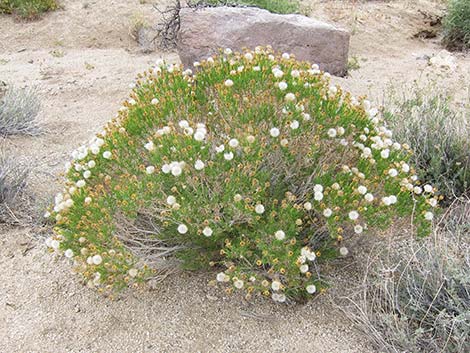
(204,31)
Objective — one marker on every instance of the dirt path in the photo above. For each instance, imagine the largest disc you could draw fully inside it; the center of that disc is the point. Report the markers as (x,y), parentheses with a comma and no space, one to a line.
(82,60)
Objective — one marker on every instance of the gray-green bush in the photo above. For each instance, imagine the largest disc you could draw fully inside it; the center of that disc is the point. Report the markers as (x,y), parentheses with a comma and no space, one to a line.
(415,295)
(275,6)
(13,181)
(437,133)
(18,111)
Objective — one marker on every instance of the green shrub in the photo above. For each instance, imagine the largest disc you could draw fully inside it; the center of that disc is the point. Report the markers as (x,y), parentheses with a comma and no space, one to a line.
(437,133)
(457,25)
(27,9)
(415,296)
(254,166)
(275,6)
(18,111)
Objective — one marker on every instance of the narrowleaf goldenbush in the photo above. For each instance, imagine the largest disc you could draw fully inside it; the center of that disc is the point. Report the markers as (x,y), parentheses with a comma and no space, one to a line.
(255,165)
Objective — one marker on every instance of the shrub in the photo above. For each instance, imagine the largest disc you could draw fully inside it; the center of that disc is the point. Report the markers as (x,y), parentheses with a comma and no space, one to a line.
(437,133)
(18,111)
(13,180)
(254,166)
(275,6)
(415,296)
(457,25)
(27,9)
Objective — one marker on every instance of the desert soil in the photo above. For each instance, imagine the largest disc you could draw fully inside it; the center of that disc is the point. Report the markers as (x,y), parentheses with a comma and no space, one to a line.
(82,60)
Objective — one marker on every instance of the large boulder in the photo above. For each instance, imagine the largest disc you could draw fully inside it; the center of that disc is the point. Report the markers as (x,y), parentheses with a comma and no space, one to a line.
(204,31)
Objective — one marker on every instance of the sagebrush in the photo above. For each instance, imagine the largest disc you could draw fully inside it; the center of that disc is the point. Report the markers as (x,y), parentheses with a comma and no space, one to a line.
(437,132)
(13,181)
(18,112)
(415,296)
(255,166)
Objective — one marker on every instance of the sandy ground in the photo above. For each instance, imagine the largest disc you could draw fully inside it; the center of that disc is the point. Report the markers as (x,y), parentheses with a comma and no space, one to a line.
(82,61)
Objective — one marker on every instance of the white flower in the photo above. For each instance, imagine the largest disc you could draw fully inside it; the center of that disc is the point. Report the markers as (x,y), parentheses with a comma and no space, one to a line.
(199,165)
(207,231)
(256,68)
(278,73)
(405,167)
(362,189)
(228,83)
(154,101)
(286,56)
(303,268)
(107,154)
(393,172)
(385,153)
(68,253)
(237,198)
(341,131)
(327,212)
(353,215)
(290,97)
(171,200)
(280,235)
(227,51)
(233,143)
(87,200)
(358,229)
(386,201)
(429,216)
(220,148)
(176,170)
(417,190)
(276,285)
(294,125)
(432,202)
(182,229)
(199,135)
(318,196)
(306,116)
(393,199)
(369,197)
(132,101)
(308,206)
(343,251)
(332,132)
(428,188)
(150,169)
(222,277)
(91,164)
(238,284)
(249,56)
(69,203)
(55,244)
(311,288)
(250,138)
(228,156)
(97,259)
(318,188)
(166,168)
(259,209)
(282,85)
(80,183)
(274,132)
(133,272)
(295,73)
